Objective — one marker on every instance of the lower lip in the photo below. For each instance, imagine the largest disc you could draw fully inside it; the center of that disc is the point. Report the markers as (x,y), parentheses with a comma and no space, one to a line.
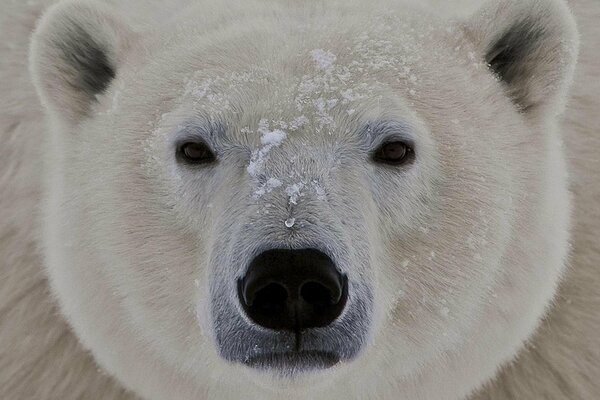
(291,362)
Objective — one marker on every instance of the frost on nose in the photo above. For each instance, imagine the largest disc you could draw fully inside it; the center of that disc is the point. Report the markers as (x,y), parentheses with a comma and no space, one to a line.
(289,222)
(294,188)
(268,140)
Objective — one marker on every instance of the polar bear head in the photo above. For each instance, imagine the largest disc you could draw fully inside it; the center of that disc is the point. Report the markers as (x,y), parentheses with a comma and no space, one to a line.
(335,199)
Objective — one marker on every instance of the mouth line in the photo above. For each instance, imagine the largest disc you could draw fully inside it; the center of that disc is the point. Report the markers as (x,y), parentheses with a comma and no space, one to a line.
(293,361)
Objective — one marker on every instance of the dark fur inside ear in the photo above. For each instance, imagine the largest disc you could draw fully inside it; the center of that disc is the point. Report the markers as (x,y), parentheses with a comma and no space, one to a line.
(510,57)
(89,68)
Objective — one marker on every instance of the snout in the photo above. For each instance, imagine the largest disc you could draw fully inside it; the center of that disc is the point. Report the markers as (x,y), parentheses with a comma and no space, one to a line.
(293,290)
(290,310)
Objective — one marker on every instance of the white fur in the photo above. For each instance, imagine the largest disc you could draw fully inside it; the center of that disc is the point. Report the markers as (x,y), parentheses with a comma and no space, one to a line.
(466,248)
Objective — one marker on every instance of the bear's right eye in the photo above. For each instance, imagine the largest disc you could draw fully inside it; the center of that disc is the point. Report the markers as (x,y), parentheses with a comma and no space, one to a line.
(196,153)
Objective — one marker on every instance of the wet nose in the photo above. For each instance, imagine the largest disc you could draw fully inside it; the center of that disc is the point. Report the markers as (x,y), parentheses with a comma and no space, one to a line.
(293,290)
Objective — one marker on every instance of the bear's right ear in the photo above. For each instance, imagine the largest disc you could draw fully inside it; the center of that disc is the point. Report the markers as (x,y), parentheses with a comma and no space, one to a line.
(74,56)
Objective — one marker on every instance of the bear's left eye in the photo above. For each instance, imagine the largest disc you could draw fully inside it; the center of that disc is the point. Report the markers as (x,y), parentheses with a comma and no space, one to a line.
(393,153)
(196,153)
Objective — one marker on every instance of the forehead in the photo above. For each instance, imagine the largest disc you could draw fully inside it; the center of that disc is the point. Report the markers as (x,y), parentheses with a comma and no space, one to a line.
(330,74)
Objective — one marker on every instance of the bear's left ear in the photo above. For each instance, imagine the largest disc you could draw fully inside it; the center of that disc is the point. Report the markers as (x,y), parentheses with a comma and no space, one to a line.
(74,56)
(531,46)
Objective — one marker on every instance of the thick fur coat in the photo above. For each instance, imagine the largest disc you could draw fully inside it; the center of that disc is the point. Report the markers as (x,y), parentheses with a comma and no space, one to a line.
(107,249)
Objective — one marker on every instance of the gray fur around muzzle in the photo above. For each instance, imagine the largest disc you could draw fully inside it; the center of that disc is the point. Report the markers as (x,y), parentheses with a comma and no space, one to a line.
(289,302)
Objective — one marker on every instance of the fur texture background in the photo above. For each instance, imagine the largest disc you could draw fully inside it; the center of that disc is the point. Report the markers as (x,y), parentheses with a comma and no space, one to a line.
(41,358)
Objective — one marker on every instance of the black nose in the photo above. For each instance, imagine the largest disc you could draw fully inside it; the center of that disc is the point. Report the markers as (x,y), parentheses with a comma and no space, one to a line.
(293,290)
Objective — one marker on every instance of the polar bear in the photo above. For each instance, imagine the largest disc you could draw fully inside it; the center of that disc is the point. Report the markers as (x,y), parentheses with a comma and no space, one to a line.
(311,199)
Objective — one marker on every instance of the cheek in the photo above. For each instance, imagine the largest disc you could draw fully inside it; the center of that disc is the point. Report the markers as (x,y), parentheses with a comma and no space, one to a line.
(160,289)
(435,271)
(159,264)
(400,207)
(158,260)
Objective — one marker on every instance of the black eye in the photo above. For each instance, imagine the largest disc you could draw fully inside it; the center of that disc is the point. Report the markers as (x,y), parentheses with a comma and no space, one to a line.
(196,153)
(393,153)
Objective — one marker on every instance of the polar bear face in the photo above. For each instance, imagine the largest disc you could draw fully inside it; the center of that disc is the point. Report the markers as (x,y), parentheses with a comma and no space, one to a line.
(304,199)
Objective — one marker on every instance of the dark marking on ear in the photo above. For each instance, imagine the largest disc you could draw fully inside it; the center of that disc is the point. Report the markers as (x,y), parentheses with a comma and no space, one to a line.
(508,57)
(90,68)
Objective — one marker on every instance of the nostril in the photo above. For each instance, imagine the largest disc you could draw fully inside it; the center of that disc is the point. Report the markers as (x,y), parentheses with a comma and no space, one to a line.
(318,295)
(271,298)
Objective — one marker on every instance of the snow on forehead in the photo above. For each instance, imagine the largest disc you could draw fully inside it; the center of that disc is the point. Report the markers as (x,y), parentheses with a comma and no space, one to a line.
(324,59)
(333,77)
